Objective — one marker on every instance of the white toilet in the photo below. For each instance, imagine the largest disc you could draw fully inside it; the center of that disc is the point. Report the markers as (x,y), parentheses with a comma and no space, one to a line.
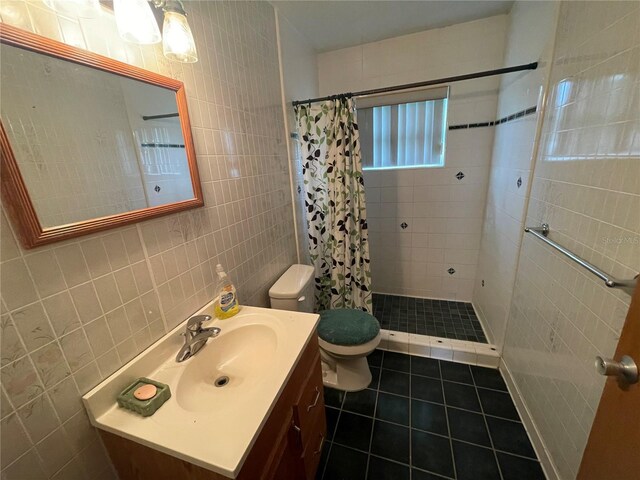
(344,362)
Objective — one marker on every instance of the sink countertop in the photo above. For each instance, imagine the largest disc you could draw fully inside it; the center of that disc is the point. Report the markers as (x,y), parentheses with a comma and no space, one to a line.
(218,432)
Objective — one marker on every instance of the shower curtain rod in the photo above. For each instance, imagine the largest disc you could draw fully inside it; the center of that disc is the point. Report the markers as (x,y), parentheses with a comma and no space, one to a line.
(438,81)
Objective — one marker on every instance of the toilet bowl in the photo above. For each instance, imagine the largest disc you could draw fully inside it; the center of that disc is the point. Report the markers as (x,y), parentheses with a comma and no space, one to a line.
(345,336)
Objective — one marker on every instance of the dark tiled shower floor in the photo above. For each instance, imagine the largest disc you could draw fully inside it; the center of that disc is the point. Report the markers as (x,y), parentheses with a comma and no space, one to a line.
(423,419)
(438,318)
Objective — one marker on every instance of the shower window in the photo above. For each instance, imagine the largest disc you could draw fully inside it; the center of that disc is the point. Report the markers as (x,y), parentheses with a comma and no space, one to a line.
(403,135)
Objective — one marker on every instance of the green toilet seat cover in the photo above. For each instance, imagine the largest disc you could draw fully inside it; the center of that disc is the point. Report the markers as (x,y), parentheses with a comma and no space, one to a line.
(347,326)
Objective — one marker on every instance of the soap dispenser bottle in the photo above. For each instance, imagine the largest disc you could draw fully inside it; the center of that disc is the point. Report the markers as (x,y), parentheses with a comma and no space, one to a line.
(226,304)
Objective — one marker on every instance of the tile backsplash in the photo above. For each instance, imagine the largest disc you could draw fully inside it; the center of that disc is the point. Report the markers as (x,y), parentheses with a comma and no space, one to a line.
(586,185)
(74,312)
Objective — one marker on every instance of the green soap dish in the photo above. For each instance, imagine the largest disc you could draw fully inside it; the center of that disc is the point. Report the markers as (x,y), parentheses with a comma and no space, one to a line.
(127,400)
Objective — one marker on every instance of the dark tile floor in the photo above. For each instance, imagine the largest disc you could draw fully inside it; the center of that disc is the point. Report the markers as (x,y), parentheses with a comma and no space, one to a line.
(426,419)
(438,318)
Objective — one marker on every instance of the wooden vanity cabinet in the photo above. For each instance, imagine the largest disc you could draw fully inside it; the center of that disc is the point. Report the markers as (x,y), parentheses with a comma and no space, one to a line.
(288,446)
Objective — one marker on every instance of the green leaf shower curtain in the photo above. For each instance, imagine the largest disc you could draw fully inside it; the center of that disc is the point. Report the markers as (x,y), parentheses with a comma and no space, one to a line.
(335,204)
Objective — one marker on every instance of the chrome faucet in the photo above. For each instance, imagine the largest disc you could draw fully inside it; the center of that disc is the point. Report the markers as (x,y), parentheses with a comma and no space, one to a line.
(195,337)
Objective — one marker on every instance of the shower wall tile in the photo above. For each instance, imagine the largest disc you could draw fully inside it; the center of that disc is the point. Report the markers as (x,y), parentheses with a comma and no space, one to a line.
(428,200)
(299,81)
(423,222)
(74,312)
(585,185)
(421,56)
(530,37)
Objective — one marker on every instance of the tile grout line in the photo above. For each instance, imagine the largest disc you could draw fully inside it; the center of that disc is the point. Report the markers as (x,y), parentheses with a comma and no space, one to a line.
(511,420)
(447,380)
(519,421)
(332,438)
(410,399)
(391,460)
(434,433)
(446,416)
(437,435)
(486,424)
(410,420)
(373,420)
(444,379)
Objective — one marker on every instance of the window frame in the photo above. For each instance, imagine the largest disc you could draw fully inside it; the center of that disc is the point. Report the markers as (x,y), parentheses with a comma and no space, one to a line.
(408,97)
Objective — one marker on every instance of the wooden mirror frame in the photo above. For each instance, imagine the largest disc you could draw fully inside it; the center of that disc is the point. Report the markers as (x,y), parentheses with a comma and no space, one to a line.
(15,195)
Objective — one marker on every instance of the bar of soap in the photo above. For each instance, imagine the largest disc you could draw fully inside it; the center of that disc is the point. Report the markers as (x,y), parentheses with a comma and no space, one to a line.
(145,392)
(144,396)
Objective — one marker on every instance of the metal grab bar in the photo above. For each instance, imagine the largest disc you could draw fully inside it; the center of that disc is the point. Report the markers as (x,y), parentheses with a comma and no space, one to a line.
(609,281)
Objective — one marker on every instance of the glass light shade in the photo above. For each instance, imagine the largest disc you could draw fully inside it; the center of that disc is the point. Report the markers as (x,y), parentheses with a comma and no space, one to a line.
(136,22)
(177,39)
(75,8)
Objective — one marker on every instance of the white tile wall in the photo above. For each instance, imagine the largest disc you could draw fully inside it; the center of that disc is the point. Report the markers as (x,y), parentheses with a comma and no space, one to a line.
(530,38)
(562,316)
(73,312)
(299,82)
(421,56)
(444,220)
(444,214)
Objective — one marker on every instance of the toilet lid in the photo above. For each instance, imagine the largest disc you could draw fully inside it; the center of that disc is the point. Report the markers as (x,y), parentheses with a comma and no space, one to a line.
(347,326)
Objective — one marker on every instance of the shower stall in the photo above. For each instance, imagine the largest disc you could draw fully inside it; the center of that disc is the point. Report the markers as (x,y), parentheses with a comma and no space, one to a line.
(426,170)
(445,152)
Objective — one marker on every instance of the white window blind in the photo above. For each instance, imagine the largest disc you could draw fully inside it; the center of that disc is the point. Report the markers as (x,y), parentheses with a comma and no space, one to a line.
(403,135)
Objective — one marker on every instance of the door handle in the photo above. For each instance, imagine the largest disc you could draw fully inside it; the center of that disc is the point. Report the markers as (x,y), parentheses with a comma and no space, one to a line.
(319,450)
(315,402)
(625,369)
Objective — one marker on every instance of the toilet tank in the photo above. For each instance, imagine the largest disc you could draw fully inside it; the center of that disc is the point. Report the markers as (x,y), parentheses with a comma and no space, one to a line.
(294,290)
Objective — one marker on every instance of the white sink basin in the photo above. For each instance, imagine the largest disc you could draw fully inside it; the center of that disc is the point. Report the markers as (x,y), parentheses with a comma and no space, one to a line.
(239,358)
(257,350)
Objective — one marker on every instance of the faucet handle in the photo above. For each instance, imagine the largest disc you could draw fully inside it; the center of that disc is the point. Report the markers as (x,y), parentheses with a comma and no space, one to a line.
(194,324)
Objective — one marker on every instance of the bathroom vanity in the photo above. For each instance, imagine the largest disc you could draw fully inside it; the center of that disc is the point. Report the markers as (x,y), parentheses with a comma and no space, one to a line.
(266,422)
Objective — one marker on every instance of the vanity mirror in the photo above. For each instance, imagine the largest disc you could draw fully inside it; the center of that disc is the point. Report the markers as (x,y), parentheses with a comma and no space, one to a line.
(88,143)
